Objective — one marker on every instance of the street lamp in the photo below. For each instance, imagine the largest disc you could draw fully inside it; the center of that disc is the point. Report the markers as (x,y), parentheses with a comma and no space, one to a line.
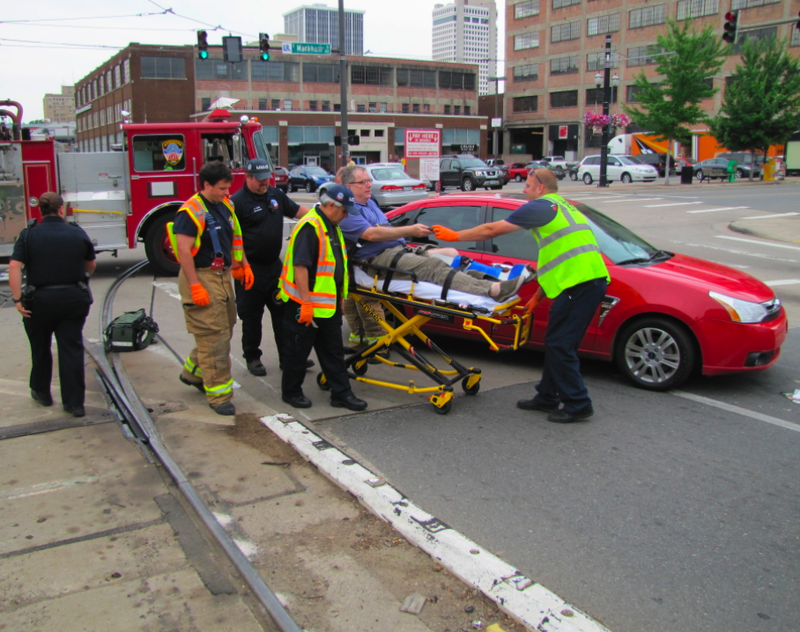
(606,103)
(494,137)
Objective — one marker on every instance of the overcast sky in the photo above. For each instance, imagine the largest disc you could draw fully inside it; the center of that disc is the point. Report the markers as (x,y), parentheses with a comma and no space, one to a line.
(45,44)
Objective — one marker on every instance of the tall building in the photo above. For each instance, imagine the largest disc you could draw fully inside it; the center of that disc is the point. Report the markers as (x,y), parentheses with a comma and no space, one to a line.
(319,24)
(466,32)
(554,49)
(60,108)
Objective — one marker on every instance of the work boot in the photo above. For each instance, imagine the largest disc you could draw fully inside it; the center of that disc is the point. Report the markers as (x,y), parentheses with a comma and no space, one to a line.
(256,367)
(198,385)
(225,408)
(44,399)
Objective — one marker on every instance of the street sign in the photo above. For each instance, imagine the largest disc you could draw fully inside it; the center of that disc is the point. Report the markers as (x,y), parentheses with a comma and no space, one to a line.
(429,168)
(302,48)
(464,148)
(497,122)
(422,143)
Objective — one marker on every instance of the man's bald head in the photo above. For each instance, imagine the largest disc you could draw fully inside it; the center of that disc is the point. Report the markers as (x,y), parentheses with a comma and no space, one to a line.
(540,182)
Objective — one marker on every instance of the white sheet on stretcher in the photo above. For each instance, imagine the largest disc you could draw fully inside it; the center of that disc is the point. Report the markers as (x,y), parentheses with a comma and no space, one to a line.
(428,291)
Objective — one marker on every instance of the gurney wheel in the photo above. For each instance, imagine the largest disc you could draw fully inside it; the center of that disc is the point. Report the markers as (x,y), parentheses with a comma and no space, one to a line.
(322,382)
(360,370)
(470,390)
(444,409)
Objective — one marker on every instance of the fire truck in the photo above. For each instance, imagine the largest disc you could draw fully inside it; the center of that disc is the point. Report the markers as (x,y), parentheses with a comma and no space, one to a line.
(126,197)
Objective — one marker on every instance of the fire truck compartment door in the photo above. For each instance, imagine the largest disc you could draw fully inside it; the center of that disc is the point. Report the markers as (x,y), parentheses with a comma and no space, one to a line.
(95,191)
(12,197)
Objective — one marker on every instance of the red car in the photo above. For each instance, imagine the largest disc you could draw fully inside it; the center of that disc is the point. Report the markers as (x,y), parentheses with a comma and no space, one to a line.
(664,315)
(282,179)
(518,172)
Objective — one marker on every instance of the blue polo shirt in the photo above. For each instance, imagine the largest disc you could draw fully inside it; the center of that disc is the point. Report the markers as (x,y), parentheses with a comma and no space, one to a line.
(353,226)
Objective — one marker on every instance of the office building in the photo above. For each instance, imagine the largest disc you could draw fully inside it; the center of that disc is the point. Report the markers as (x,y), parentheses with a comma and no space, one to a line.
(319,24)
(60,108)
(555,48)
(466,32)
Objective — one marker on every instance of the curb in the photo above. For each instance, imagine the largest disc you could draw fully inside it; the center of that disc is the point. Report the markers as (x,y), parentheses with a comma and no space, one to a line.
(531,604)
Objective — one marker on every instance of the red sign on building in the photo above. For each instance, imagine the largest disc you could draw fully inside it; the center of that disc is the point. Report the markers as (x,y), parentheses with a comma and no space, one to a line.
(422,143)
(562,132)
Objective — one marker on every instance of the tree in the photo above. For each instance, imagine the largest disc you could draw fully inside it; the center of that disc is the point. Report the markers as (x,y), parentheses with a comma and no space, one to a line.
(761,104)
(689,62)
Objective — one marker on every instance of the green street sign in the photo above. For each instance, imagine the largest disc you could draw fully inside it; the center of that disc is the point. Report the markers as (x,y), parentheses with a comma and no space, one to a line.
(302,48)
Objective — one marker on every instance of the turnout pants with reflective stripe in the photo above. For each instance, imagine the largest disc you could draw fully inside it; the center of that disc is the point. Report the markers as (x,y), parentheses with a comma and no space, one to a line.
(212,327)
(364,329)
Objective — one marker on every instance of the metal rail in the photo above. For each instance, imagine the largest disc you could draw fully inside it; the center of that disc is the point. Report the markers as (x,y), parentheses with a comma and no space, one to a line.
(141,424)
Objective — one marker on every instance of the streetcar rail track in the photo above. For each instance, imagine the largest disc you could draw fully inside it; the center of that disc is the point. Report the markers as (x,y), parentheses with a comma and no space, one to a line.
(136,417)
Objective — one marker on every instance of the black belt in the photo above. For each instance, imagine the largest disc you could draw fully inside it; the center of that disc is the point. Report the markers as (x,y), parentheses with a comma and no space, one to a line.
(63,286)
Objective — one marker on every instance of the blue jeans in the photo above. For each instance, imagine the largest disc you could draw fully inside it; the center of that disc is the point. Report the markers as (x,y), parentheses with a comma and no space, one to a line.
(570,315)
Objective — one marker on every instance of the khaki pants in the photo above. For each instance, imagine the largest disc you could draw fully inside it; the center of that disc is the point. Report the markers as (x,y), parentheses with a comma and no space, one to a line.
(363,327)
(212,327)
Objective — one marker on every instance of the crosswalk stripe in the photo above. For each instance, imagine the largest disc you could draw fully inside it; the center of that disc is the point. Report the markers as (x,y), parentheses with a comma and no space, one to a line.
(714,210)
(670,204)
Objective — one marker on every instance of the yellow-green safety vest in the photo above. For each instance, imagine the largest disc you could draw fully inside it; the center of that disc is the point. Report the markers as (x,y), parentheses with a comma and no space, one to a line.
(323,294)
(568,251)
(197,211)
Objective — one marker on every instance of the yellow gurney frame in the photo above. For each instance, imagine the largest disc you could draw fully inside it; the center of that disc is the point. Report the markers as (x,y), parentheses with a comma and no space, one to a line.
(510,313)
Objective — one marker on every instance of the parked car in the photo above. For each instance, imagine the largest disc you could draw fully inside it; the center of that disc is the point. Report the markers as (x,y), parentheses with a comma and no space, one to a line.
(518,172)
(622,168)
(744,162)
(392,186)
(281,178)
(541,164)
(559,161)
(718,168)
(572,170)
(308,178)
(468,173)
(658,161)
(664,315)
(500,164)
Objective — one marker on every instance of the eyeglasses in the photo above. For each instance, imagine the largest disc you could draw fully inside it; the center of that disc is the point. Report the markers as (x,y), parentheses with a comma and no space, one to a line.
(363,182)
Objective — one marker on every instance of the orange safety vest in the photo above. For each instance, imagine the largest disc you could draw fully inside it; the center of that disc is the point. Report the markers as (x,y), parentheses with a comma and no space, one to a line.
(197,211)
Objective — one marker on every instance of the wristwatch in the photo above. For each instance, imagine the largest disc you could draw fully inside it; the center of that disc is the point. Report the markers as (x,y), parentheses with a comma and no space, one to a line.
(16,300)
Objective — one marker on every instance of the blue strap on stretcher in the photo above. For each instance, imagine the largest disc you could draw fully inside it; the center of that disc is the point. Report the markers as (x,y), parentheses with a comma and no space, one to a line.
(492,271)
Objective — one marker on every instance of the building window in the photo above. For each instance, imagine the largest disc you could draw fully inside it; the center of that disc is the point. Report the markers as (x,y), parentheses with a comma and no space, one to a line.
(276,104)
(378,133)
(697,8)
(526,40)
(457,110)
(526,72)
(447,109)
(312,105)
(647,16)
(557,4)
(365,133)
(337,107)
(526,104)
(467,110)
(288,71)
(594,96)
(564,65)
(456,80)
(126,71)
(371,76)
(326,106)
(360,107)
(320,73)
(287,105)
(632,93)
(149,153)
(768,32)
(416,78)
(597,61)
(216,69)
(643,55)
(526,9)
(373,106)
(710,83)
(109,83)
(564,99)
(564,32)
(262,104)
(405,108)
(795,38)
(163,68)
(746,4)
(603,24)
(384,106)
(118,75)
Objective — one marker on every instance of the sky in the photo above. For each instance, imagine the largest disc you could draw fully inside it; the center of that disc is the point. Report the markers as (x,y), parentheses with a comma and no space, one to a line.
(45,44)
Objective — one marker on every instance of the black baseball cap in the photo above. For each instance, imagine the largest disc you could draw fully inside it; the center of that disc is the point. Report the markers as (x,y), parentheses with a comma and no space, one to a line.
(259,169)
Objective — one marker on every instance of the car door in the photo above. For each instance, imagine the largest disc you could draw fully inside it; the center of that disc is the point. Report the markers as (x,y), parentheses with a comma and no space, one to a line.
(614,171)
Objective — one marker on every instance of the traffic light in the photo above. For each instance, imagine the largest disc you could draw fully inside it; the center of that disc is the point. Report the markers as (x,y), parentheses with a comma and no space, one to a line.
(731,18)
(263,46)
(202,44)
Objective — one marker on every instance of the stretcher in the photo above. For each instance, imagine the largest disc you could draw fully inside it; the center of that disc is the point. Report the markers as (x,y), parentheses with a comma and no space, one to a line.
(404,336)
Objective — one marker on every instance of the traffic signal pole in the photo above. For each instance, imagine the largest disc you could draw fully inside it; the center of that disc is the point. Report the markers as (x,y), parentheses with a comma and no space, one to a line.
(343,85)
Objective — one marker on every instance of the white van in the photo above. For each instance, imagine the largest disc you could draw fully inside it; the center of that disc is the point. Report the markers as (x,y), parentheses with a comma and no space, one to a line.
(622,168)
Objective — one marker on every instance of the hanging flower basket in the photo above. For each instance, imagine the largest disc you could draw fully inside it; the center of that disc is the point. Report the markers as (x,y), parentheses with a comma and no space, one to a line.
(597,122)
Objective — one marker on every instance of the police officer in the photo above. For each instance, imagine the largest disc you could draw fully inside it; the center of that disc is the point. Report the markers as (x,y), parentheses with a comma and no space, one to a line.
(314,284)
(260,210)
(208,241)
(58,258)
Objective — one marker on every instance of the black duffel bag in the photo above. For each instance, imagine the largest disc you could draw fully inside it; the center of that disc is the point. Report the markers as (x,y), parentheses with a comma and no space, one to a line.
(130,332)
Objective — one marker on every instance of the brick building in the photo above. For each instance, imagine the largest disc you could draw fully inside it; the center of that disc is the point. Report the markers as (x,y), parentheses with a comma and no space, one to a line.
(60,108)
(554,49)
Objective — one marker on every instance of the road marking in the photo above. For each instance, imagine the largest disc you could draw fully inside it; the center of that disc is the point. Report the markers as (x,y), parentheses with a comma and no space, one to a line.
(602,197)
(756,241)
(671,204)
(782,282)
(769,216)
(735,252)
(714,210)
(527,601)
(635,200)
(738,410)
(169,287)
(45,488)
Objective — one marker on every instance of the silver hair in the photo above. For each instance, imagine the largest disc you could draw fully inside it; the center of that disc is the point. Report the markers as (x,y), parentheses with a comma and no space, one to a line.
(324,198)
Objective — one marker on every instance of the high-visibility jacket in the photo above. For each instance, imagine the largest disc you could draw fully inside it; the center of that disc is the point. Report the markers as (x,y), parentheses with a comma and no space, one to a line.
(568,251)
(197,211)
(323,294)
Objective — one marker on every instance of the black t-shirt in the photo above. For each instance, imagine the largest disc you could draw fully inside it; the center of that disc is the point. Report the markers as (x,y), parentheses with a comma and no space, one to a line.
(184,225)
(53,252)
(261,219)
(534,214)
(306,251)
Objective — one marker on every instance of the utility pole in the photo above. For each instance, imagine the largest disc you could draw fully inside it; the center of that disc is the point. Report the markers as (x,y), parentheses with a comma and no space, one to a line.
(606,106)
(343,86)
(494,129)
